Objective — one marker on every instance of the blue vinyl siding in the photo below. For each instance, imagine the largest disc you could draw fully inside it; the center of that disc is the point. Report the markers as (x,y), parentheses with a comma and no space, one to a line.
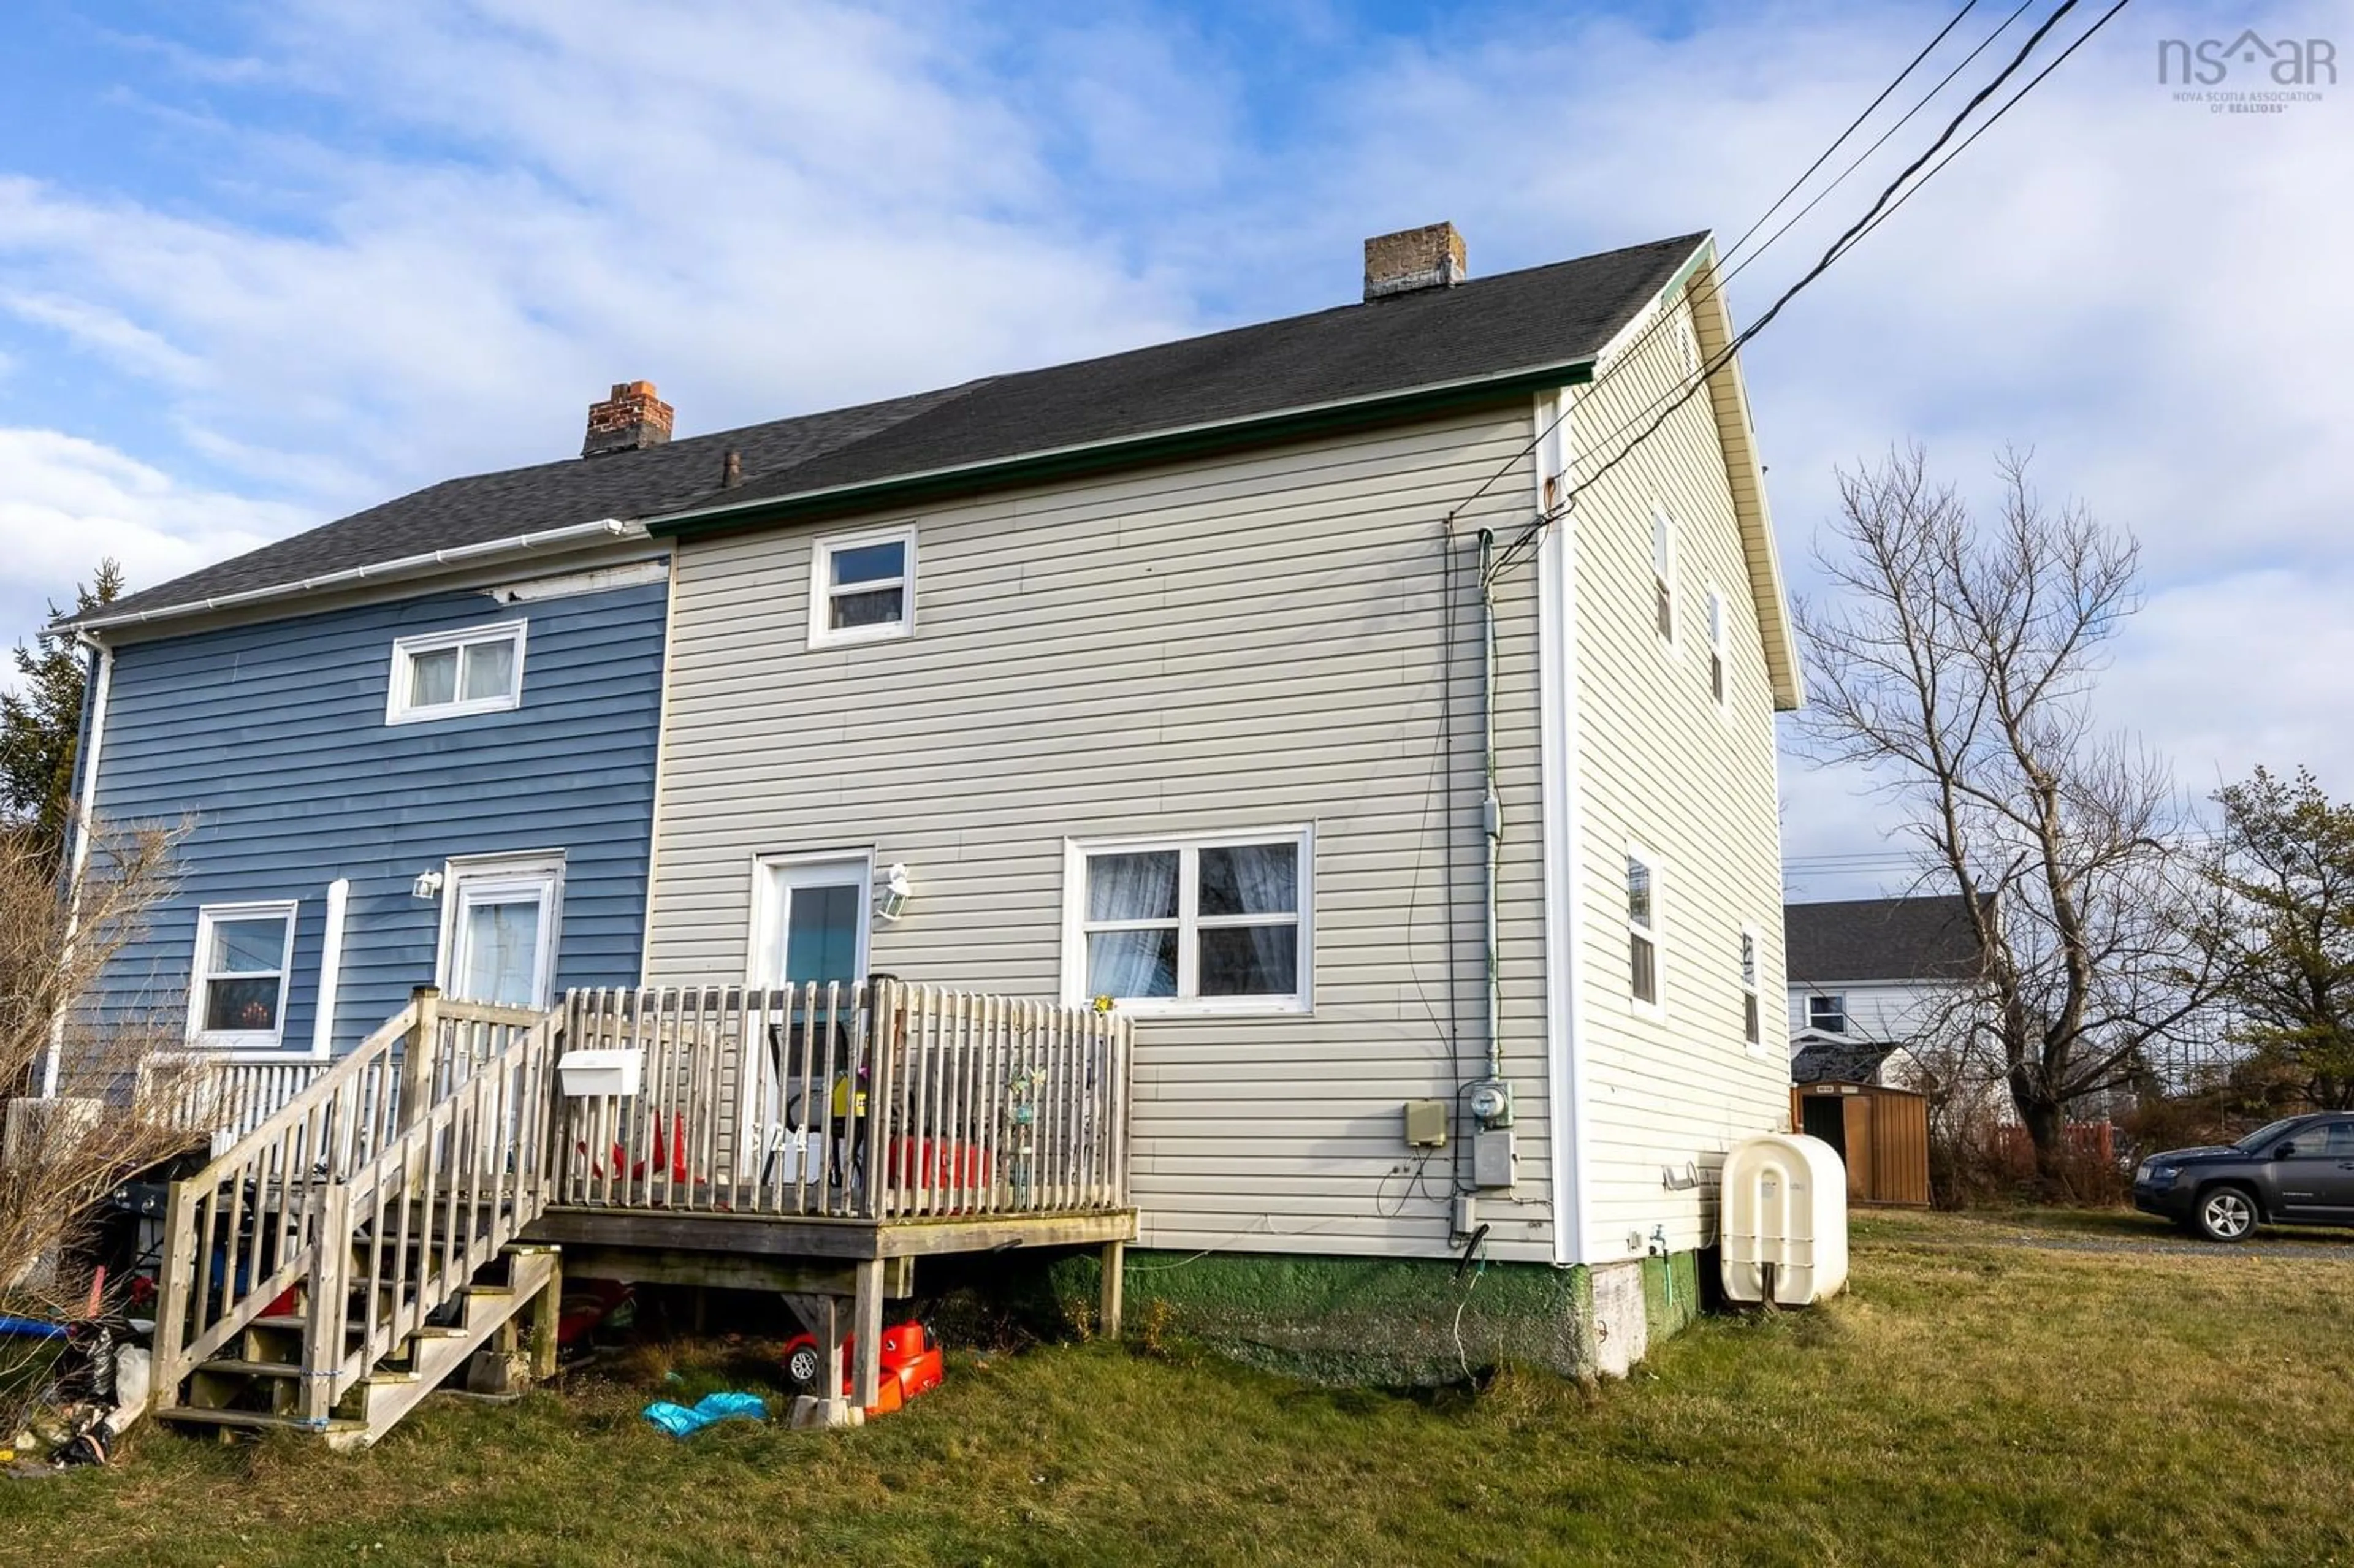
(270,740)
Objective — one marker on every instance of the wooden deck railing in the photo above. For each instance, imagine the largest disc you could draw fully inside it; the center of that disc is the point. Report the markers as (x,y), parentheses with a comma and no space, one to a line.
(224,1099)
(877,1102)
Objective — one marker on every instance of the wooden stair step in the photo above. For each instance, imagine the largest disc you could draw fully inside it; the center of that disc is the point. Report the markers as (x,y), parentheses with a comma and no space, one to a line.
(232,1364)
(212,1417)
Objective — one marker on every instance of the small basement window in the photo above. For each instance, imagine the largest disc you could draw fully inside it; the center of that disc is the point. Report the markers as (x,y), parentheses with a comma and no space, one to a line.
(236,987)
(1211,924)
(448,674)
(1827,1014)
(863,587)
(1642,928)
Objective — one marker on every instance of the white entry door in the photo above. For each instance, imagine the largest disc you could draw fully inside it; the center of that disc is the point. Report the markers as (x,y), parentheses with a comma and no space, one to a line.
(499,929)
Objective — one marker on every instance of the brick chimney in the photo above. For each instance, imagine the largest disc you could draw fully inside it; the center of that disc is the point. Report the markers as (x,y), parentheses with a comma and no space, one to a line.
(1414,259)
(631,419)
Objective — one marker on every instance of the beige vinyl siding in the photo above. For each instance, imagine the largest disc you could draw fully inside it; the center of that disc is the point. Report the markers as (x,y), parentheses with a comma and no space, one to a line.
(1246,641)
(1659,765)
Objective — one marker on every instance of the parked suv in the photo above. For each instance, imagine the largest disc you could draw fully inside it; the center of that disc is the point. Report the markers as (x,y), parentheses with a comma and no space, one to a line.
(2298,1172)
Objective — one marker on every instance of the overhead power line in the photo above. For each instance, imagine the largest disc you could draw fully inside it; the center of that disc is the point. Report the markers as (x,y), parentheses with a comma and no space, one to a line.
(1891,197)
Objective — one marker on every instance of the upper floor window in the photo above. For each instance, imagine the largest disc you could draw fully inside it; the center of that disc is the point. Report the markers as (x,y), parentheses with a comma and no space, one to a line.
(1642,928)
(1752,1023)
(447,674)
(863,586)
(1716,646)
(1827,1014)
(1212,923)
(236,987)
(1663,573)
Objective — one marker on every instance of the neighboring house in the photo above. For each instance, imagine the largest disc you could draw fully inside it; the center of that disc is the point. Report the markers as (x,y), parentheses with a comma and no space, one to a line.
(1177,677)
(1874,981)
(1159,677)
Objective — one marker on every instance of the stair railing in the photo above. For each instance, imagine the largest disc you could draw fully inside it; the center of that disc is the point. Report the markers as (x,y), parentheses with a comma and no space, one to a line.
(242,1231)
(269,1211)
(423,1217)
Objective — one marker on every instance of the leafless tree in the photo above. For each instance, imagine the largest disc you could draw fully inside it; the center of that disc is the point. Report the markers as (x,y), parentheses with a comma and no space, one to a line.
(1955,661)
(115,1109)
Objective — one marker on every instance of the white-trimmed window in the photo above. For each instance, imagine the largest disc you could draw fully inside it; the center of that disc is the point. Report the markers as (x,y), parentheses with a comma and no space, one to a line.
(500,922)
(236,986)
(1752,1011)
(1687,344)
(1827,1014)
(863,586)
(1643,931)
(448,674)
(1716,646)
(1663,574)
(810,918)
(1204,924)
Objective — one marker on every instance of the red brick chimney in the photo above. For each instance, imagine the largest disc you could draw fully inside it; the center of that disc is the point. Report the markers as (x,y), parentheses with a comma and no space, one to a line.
(1413,260)
(631,419)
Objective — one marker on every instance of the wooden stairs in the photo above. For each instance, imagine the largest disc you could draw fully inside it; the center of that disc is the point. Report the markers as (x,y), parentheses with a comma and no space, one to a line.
(340,1262)
(261,1386)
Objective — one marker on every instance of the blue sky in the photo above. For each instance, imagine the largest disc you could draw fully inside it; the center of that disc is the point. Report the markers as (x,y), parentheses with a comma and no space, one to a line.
(261,265)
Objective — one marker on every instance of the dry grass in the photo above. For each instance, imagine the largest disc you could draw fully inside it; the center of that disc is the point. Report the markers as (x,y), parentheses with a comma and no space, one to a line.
(1967,1404)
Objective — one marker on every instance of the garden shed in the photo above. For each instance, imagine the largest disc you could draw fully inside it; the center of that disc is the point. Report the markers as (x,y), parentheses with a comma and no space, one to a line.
(1882,1133)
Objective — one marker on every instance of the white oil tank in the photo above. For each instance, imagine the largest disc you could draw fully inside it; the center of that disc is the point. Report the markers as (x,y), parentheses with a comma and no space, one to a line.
(1784,1220)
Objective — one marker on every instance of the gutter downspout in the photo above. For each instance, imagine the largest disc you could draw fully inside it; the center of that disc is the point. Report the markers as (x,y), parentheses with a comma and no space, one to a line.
(86,750)
(1491,805)
(330,970)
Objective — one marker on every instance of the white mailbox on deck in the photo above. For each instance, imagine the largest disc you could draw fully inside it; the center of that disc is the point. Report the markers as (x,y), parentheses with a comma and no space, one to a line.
(1784,1220)
(586,1075)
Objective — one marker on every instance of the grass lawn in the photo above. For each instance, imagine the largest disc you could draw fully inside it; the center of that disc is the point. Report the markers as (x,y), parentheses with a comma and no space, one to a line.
(1972,1400)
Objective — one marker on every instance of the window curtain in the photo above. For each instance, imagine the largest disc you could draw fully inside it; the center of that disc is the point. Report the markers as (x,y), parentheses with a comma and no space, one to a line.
(1132,963)
(1250,960)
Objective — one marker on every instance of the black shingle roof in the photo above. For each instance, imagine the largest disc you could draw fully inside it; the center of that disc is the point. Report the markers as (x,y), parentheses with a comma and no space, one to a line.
(1839,1062)
(1879,939)
(1543,316)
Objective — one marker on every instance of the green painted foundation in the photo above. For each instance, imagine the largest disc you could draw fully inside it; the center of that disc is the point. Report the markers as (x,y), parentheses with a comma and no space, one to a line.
(1394,1322)
(1672,1300)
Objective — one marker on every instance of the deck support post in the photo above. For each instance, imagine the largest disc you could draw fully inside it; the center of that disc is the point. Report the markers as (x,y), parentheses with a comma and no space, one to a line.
(822,1315)
(417,1056)
(867,1373)
(1115,1265)
(546,1312)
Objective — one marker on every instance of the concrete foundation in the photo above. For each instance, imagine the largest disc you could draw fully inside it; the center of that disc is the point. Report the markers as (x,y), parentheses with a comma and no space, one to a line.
(1396,1322)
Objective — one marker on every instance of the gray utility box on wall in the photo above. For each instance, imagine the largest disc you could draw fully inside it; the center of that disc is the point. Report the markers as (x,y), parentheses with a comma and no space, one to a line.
(1494,1161)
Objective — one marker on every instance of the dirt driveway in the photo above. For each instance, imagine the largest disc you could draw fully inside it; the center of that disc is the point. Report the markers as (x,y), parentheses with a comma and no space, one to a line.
(2092,1230)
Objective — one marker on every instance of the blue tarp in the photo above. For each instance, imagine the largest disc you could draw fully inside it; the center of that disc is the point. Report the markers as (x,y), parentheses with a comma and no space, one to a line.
(685,1421)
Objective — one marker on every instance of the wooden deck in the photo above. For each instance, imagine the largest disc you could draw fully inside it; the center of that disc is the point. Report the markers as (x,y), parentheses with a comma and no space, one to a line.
(813,1142)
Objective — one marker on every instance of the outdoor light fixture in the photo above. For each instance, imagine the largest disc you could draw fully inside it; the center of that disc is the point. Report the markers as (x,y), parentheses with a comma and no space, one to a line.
(426,886)
(891,899)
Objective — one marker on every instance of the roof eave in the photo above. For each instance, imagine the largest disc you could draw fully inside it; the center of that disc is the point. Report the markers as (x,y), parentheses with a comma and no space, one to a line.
(407,567)
(1125,451)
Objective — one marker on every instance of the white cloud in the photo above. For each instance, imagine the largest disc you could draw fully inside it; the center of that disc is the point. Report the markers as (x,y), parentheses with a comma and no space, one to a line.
(67,503)
(769,209)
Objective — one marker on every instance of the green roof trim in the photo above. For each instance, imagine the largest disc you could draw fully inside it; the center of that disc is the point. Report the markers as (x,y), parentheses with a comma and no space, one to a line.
(1127,451)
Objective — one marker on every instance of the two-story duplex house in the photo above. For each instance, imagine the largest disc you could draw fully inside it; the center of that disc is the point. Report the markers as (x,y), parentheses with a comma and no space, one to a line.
(1375,707)
(1319,692)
